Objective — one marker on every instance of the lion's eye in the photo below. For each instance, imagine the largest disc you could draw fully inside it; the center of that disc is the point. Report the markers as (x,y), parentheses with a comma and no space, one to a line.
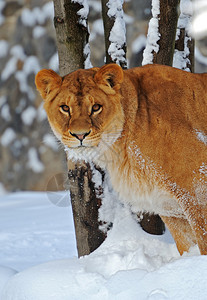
(65,108)
(96,108)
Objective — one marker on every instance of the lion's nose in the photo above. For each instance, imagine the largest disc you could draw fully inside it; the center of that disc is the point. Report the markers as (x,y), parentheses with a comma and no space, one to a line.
(80,136)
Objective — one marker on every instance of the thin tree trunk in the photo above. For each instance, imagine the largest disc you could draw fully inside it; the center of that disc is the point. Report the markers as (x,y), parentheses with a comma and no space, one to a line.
(167,24)
(119,54)
(72,38)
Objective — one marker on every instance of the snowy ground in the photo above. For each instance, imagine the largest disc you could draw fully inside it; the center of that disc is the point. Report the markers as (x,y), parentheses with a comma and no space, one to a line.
(37,240)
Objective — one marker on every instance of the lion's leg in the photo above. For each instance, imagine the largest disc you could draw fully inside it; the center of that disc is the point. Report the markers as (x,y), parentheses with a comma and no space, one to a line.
(181,232)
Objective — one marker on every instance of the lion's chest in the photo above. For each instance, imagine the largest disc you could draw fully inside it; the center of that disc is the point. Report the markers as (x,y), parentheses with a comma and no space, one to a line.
(142,186)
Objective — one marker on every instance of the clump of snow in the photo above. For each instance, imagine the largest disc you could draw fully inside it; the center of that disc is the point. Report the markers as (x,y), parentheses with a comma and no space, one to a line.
(38,15)
(117,35)
(201,136)
(4,46)
(38,32)
(50,141)
(33,161)
(153,35)
(28,115)
(9,69)
(5,112)
(198,27)
(180,59)
(83,12)
(203,169)
(30,65)
(86,52)
(8,137)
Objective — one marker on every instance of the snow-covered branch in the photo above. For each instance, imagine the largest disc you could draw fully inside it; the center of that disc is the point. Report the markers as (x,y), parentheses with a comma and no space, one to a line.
(153,35)
(181,58)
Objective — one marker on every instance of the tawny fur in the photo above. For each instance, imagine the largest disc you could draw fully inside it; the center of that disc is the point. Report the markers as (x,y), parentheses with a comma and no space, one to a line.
(150,133)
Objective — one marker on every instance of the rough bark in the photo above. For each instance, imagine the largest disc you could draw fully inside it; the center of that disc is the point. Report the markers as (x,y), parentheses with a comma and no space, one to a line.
(167,21)
(71,40)
(86,201)
(71,36)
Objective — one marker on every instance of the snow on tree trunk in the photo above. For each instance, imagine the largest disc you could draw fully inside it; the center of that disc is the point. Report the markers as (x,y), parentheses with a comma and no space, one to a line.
(184,52)
(114,31)
(161,33)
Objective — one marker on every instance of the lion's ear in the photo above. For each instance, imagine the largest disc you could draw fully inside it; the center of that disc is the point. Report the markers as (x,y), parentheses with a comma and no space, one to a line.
(47,81)
(109,78)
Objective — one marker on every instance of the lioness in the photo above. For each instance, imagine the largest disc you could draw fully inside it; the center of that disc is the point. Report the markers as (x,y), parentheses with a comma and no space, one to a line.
(148,127)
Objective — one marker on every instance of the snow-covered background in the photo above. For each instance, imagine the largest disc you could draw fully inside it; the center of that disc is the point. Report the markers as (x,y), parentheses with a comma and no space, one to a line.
(38,258)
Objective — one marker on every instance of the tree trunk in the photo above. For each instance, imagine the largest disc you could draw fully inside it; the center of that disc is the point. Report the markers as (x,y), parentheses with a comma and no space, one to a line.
(119,55)
(167,24)
(72,38)
(86,200)
(68,28)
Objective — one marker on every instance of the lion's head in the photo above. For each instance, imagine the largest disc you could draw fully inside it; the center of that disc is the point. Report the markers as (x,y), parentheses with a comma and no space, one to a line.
(83,107)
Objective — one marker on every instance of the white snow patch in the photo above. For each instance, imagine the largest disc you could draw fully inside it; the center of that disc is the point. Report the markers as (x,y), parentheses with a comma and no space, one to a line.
(38,32)
(4,46)
(198,27)
(33,161)
(31,65)
(86,52)
(28,115)
(9,69)
(8,137)
(153,34)
(37,15)
(203,169)
(201,136)
(83,12)
(50,141)
(5,112)
(18,52)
